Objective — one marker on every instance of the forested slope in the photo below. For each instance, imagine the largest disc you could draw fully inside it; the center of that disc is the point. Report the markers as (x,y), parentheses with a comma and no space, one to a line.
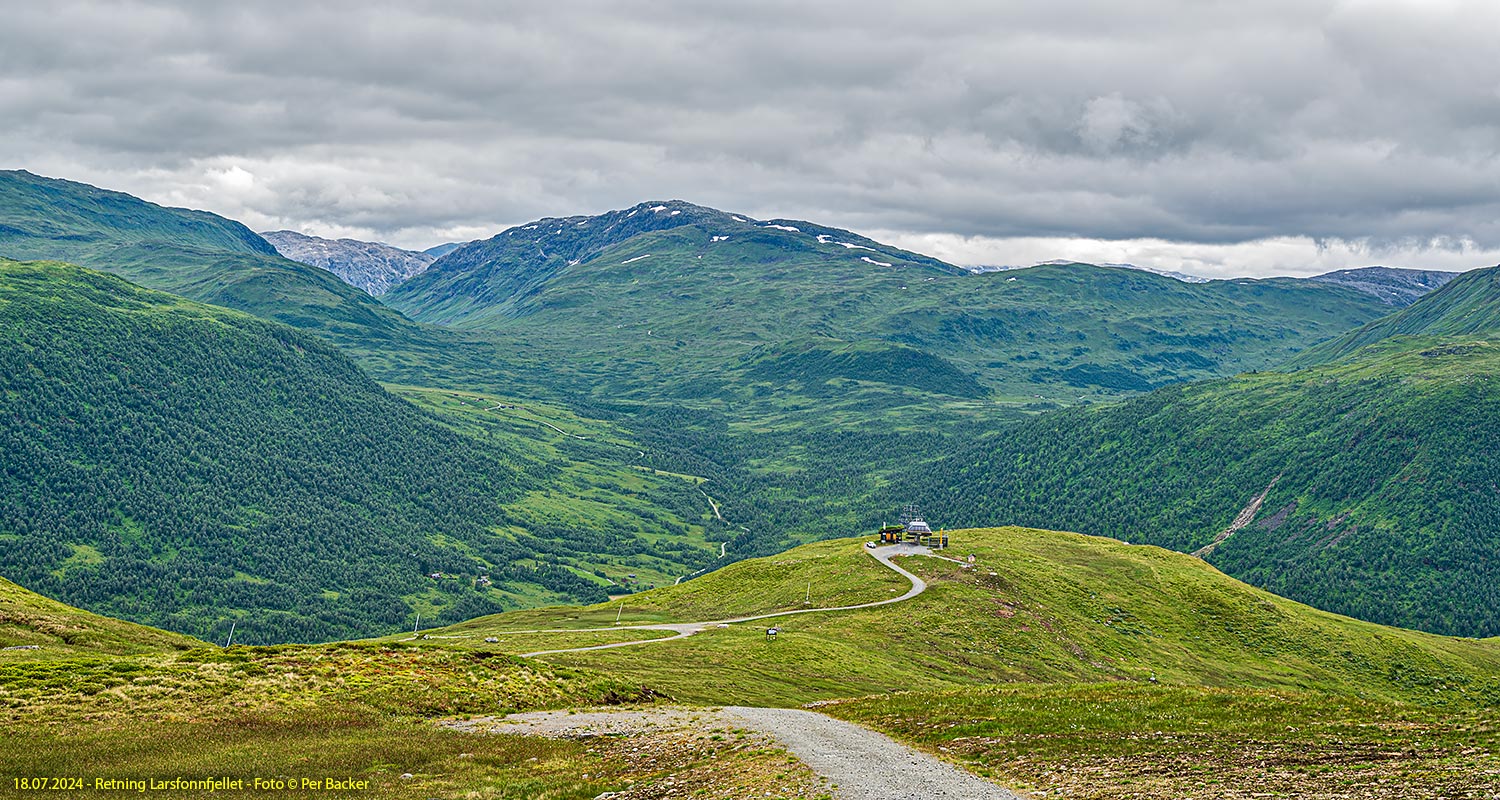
(182,465)
(1379,481)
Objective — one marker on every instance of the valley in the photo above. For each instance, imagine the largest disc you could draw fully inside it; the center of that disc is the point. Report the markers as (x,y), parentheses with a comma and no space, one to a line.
(580,467)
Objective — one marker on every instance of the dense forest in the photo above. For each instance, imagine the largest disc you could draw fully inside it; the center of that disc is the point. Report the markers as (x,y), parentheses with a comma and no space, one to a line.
(180,465)
(1378,474)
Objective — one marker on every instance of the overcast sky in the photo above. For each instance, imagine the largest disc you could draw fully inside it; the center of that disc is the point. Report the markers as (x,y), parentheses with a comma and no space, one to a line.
(1223,138)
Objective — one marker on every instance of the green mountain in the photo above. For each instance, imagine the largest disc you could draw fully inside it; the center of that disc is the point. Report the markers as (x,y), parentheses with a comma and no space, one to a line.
(1468,306)
(675,301)
(187,466)
(194,254)
(1363,486)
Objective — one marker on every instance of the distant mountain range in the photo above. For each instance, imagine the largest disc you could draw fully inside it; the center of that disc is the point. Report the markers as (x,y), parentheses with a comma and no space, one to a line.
(1394,286)
(778,359)
(714,304)
(371,266)
(1397,287)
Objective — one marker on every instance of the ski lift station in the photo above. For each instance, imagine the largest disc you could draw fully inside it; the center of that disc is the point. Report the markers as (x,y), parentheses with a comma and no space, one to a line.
(913,530)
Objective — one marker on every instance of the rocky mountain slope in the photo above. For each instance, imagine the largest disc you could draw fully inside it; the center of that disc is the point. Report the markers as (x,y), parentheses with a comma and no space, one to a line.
(1398,287)
(371,266)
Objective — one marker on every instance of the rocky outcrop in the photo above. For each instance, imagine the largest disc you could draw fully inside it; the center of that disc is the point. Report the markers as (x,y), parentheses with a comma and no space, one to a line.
(371,266)
(1397,287)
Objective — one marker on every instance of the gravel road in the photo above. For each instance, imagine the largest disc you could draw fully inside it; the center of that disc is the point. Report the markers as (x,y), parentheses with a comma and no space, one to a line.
(860,763)
(863,764)
(684,629)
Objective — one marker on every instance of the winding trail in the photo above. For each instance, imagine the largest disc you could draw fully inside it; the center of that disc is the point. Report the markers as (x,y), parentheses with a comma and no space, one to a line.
(859,763)
(686,629)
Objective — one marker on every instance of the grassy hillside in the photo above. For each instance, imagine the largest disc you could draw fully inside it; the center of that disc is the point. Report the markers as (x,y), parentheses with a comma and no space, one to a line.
(1365,486)
(985,668)
(194,254)
(187,466)
(1104,741)
(1469,305)
(36,628)
(133,704)
(1076,666)
(1040,607)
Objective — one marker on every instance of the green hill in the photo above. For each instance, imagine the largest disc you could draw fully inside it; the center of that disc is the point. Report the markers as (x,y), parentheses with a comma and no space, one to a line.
(676,301)
(33,627)
(194,254)
(1364,487)
(1059,662)
(187,466)
(1039,607)
(1469,305)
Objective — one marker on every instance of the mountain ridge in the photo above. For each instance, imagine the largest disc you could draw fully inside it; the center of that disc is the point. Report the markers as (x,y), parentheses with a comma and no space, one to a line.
(1466,305)
(498,274)
(195,254)
(1395,285)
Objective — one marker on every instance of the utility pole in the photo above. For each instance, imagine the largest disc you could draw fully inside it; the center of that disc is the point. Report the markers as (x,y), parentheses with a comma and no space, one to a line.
(230,640)
(418,624)
(621,611)
(807,601)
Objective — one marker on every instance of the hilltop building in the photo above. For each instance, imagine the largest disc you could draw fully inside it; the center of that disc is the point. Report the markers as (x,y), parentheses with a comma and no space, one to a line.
(913,529)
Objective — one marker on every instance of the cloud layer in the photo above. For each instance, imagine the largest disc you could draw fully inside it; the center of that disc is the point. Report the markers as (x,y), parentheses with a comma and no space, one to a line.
(1215,133)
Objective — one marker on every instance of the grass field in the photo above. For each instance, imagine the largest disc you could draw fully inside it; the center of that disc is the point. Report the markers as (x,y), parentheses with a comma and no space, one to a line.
(1041,607)
(1065,665)
(819,575)
(1113,740)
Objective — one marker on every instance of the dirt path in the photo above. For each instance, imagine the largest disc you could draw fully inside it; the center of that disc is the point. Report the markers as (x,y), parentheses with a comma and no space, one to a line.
(712,504)
(685,629)
(860,764)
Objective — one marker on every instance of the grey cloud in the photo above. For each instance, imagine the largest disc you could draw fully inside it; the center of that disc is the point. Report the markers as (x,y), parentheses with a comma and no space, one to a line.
(1211,123)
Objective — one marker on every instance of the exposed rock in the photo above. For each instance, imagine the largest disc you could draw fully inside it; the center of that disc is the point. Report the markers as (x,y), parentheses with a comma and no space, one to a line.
(1397,287)
(371,266)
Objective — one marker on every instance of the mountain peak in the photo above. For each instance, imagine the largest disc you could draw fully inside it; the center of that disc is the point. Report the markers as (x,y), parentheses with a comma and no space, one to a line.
(520,262)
